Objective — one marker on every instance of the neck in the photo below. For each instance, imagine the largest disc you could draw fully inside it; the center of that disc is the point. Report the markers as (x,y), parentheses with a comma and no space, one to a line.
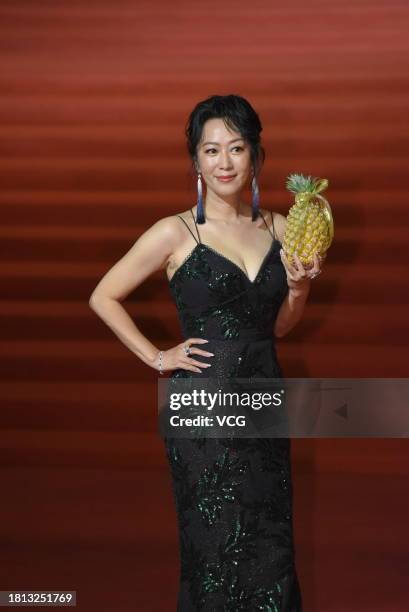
(224,209)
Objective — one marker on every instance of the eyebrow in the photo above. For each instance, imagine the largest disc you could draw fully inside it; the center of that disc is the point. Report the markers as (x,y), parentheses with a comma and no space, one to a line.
(230,141)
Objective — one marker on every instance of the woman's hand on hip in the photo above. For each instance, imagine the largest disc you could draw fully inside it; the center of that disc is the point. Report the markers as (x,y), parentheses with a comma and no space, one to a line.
(180,356)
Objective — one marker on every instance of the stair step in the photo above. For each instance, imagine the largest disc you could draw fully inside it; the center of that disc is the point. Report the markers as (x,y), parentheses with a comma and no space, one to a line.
(357,283)
(29,320)
(110,361)
(116,141)
(127,174)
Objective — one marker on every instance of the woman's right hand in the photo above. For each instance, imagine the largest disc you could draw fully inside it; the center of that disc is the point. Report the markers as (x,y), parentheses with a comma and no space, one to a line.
(176,357)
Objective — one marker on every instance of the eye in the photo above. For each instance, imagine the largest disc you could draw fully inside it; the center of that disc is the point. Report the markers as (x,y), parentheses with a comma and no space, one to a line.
(213,149)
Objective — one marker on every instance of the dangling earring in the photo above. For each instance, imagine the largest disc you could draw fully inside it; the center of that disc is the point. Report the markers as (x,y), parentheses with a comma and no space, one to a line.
(255,198)
(200,218)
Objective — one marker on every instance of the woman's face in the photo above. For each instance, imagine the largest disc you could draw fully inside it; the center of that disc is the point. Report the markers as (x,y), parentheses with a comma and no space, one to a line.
(222,152)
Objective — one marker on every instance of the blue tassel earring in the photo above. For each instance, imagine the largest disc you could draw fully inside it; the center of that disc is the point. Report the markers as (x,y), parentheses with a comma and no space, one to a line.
(200,218)
(255,199)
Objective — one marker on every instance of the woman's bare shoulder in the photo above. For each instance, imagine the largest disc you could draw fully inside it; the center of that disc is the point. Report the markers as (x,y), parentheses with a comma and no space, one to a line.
(185,218)
(172,230)
(279,221)
(187,215)
(168,228)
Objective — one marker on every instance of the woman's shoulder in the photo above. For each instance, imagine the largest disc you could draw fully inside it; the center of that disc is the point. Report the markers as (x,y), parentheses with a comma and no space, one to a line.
(186,215)
(168,229)
(174,228)
(267,212)
(180,222)
(275,219)
(174,223)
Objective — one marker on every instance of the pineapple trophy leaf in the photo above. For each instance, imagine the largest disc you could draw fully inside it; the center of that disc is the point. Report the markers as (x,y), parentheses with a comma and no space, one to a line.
(310,224)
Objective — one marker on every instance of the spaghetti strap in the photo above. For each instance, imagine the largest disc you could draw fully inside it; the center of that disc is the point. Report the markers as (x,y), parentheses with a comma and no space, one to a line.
(187,227)
(195,225)
(272,220)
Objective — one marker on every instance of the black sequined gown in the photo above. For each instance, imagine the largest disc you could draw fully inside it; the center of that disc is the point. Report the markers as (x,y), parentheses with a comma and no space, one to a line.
(233,496)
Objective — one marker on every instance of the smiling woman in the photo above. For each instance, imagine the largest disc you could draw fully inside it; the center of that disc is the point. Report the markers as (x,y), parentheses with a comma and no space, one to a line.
(235,295)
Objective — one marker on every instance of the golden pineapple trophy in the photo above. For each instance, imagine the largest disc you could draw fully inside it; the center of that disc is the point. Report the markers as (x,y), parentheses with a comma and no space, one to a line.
(310,225)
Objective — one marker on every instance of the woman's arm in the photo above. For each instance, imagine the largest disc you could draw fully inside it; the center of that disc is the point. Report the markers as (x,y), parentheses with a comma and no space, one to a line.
(299,284)
(291,310)
(149,253)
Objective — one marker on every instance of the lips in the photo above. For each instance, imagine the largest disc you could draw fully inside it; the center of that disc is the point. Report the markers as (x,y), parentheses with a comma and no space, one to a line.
(226,178)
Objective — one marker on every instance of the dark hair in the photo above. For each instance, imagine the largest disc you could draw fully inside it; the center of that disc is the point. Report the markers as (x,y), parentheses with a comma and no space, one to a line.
(237,113)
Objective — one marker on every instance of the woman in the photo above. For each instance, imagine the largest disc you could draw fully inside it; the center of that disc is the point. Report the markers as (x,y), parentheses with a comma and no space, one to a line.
(235,292)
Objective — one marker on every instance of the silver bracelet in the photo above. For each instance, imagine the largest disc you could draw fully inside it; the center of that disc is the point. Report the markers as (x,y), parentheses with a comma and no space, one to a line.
(160,362)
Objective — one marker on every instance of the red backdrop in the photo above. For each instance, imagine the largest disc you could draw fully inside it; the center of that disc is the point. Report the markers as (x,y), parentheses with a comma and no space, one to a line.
(95,96)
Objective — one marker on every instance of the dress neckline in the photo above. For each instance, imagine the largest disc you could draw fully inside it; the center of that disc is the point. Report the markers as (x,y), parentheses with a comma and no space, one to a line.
(233,263)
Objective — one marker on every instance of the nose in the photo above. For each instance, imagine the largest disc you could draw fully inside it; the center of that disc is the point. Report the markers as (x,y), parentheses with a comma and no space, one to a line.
(225,161)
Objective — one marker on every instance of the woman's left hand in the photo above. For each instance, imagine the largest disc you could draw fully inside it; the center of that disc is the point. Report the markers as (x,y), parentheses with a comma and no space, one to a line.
(299,279)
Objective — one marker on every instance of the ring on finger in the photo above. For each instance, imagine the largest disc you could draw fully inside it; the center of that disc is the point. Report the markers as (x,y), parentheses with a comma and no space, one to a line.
(187,349)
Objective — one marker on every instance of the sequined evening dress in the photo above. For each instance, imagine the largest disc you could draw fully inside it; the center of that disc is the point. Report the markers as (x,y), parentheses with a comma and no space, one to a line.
(233,496)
